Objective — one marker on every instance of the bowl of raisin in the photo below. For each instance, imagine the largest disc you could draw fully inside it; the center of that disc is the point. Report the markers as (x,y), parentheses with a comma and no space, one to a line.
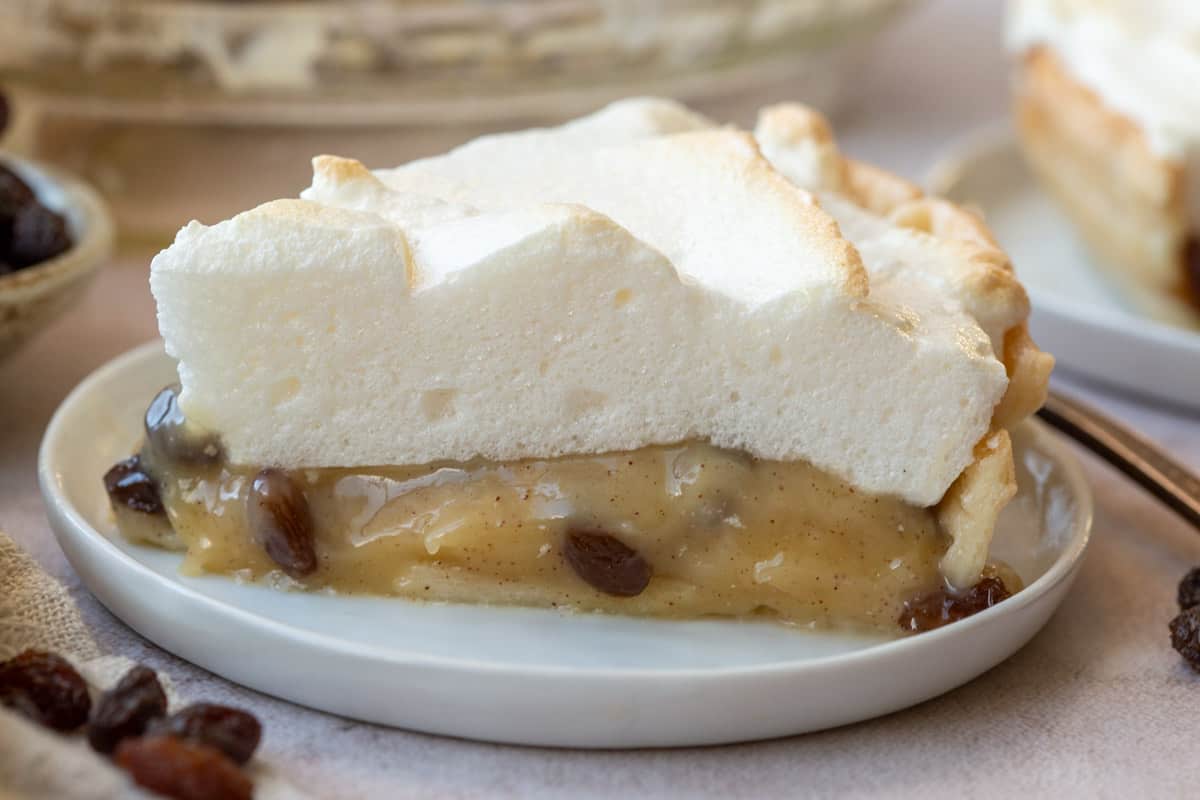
(55,232)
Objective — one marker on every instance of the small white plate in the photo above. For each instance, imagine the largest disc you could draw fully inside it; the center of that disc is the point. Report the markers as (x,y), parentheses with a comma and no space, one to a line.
(1081,314)
(533,676)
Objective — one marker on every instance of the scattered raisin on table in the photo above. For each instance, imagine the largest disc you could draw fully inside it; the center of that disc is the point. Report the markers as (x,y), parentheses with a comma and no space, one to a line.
(182,770)
(45,688)
(942,607)
(606,563)
(234,732)
(278,516)
(126,709)
(129,485)
(1188,594)
(1185,636)
(193,755)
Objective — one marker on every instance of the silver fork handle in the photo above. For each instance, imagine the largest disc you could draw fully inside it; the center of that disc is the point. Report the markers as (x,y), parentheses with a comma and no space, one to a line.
(1145,463)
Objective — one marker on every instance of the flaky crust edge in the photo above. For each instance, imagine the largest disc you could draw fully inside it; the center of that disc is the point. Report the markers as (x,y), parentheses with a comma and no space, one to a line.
(971,506)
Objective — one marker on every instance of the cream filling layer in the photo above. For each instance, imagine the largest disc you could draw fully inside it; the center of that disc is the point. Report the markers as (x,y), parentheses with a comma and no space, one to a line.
(719,534)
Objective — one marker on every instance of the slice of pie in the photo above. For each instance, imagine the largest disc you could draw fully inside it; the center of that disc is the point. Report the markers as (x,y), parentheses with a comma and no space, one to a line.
(637,364)
(1109,118)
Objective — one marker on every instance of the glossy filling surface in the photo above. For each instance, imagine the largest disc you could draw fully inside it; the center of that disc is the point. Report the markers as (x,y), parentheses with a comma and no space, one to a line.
(699,532)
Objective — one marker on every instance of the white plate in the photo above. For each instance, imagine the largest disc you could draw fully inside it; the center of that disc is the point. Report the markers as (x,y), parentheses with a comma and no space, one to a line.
(1080,313)
(526,675)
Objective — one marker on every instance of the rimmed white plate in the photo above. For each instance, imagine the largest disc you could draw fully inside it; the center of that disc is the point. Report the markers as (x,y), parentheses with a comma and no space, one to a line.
(1092,323)
(525,675)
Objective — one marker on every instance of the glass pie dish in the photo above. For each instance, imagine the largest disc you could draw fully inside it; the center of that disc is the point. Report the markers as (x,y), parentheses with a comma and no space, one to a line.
(168,94)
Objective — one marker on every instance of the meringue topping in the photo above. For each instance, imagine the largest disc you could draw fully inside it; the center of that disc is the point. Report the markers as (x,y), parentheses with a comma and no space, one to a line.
(634,278)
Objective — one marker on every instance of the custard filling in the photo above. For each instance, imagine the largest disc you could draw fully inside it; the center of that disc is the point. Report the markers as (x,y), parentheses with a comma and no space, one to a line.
(686,530)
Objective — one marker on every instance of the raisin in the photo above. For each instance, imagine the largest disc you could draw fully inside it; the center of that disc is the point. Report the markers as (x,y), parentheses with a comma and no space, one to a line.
(232,731)
(944,606)
(183,770)
(606,563)
(279,517)
(1185,636)
(131,486)
(126,709)
(1188,594)
(45,688)
(171,436)
(38,234)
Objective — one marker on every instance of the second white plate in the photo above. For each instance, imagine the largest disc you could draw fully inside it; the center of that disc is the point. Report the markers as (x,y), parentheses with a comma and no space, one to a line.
(535,676)
(1080,314)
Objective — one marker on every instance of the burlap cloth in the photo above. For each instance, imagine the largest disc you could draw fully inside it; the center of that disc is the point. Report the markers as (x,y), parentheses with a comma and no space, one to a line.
(37,612)
(1097,705)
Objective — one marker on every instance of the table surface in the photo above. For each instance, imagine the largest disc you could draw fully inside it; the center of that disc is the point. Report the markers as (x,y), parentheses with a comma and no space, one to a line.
(1095,704)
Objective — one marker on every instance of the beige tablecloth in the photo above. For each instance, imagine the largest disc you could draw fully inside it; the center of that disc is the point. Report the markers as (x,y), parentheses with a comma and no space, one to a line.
(1097,705)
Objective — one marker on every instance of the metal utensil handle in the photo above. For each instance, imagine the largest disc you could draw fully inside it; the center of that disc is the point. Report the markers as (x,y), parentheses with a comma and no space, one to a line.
(1145,463)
